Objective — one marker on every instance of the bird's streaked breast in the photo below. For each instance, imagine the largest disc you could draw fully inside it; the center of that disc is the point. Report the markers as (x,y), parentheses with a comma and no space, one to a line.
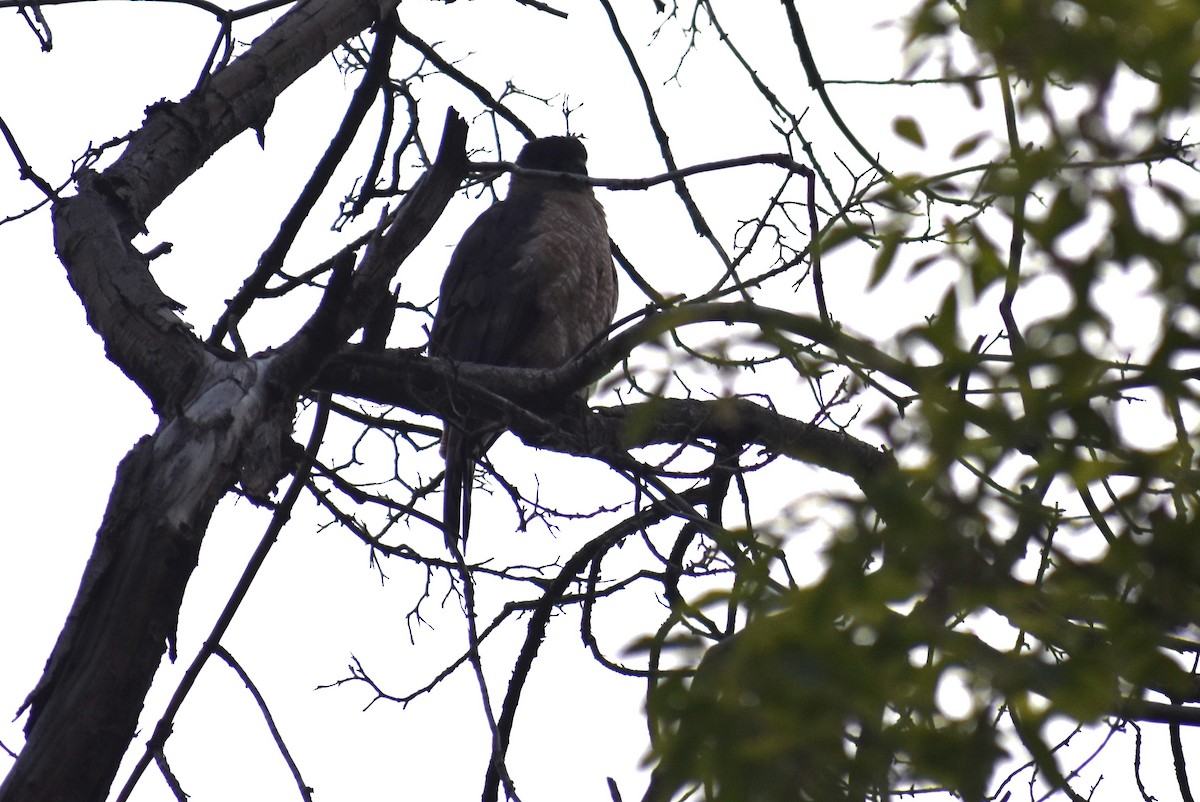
(572,264)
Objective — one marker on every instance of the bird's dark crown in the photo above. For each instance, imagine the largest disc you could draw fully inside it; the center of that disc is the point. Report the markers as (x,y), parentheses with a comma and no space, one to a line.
(563,154)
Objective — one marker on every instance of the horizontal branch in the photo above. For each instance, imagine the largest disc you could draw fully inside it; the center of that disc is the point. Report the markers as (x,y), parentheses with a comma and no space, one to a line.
(518,399)
(618,184)
(93,231)
(1142,710)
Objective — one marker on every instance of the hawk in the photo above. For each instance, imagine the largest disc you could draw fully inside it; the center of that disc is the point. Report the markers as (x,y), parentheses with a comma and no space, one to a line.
(530,285)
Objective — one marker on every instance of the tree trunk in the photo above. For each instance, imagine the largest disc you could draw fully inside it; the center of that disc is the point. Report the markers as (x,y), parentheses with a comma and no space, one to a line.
(222,421)
(85,709)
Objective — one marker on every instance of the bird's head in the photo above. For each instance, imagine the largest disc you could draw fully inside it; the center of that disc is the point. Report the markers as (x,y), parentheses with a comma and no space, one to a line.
(562,154)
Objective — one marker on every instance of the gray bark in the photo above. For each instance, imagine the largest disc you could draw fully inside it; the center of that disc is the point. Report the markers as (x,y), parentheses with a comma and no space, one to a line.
(223,421)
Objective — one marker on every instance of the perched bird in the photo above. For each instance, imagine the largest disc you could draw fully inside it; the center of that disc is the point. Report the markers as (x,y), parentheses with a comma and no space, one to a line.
(530,285)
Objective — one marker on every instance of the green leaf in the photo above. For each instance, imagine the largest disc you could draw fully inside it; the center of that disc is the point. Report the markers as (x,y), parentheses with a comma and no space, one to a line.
(841,234)
(967,146)
(907,128)
(884,257)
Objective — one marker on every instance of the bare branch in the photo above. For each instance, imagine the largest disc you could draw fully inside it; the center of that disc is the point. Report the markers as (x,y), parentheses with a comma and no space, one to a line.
(27,173)
(305,791)
(272,258)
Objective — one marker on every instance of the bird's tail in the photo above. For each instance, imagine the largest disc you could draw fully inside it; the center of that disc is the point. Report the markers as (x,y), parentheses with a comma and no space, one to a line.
(456,488)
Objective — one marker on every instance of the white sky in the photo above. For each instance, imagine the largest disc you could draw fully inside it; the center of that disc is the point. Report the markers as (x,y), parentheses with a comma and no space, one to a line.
(72,415)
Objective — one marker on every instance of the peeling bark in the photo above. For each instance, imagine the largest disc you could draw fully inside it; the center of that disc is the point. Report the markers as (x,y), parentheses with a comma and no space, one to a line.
(222,421)
(85,708)
(226,420)
(233,428)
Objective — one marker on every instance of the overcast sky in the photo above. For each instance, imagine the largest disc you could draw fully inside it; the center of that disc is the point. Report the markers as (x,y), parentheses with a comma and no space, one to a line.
(70,415)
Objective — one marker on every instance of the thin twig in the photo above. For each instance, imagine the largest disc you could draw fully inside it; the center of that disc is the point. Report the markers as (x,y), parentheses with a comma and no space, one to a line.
(160,759)
(32,14)
(543,7)
(223,653)
(272,258)
(540,619)
(474,87)
(496,766)
(660,134)
(26,172)
(1180,762)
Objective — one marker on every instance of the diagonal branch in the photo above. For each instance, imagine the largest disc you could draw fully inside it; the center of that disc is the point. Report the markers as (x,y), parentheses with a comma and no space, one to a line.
(142,331)
(540,620)
(272,258)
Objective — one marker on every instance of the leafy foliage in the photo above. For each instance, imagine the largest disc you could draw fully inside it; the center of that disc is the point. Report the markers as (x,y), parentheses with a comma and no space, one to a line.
(1037,559)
